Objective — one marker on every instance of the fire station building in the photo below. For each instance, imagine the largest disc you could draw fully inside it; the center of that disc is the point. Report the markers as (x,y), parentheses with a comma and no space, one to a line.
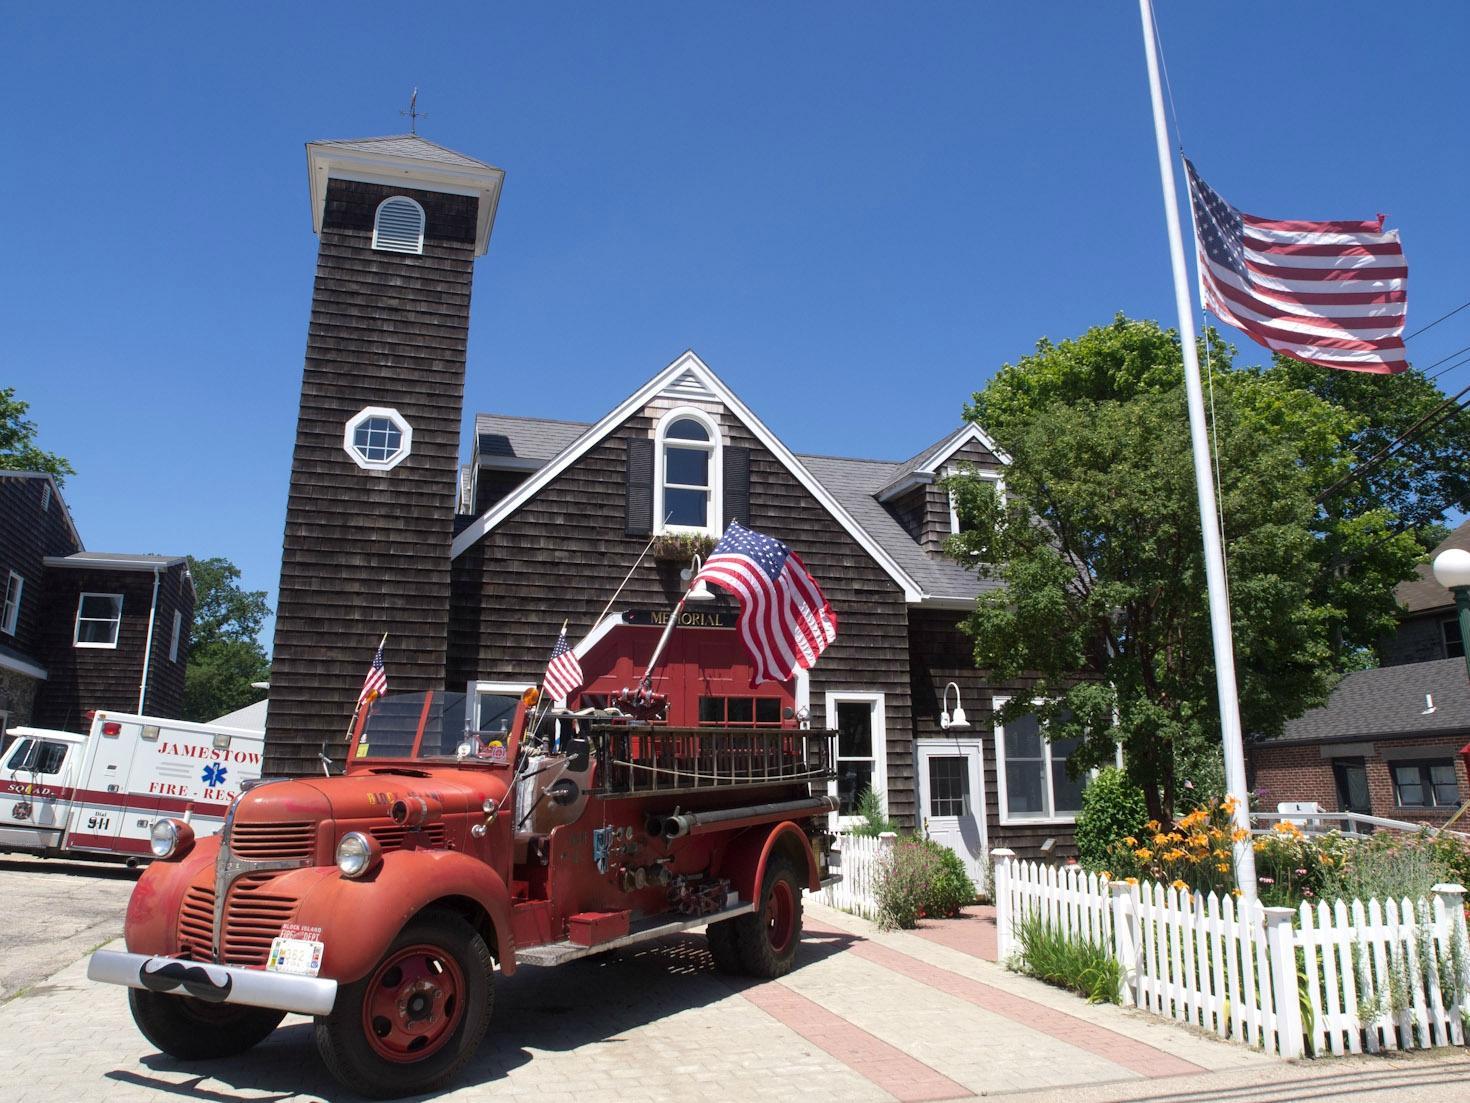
(472,568)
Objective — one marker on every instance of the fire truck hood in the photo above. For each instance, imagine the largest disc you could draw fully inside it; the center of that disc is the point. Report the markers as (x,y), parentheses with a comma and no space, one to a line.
(360,796)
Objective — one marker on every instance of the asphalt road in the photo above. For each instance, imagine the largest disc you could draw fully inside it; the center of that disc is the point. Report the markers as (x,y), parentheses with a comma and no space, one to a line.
(52,912)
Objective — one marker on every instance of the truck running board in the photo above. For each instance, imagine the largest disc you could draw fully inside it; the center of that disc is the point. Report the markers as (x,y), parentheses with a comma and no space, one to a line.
(642,930)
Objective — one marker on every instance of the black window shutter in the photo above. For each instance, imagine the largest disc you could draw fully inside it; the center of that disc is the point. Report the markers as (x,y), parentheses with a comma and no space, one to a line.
(640,487)
(737,485)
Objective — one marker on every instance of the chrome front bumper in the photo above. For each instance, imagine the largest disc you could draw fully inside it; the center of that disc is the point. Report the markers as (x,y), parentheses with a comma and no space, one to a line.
(215,983)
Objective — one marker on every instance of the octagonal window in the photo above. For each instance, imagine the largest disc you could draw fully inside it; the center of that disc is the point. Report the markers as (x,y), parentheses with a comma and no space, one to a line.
(377,438)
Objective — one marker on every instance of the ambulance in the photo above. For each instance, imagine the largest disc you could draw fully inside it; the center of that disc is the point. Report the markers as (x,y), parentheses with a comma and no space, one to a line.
(97,795)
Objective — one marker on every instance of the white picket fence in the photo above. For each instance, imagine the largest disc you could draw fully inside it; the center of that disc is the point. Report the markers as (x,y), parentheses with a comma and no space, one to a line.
(858,863)
(1391,976)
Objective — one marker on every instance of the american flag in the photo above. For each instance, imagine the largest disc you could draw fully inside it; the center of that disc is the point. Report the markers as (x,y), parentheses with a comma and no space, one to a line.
(376,682)
(785,622)
(1329,293)
(563,672)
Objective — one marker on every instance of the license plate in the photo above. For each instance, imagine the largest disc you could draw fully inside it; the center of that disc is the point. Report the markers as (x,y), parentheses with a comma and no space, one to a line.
(301,956)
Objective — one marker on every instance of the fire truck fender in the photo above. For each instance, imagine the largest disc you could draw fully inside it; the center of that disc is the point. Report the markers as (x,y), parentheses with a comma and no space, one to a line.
(405,884)
(753,849)
(153,909)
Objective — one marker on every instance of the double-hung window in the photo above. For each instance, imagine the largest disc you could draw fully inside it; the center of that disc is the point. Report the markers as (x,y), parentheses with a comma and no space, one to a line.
(98,618)
(1430,784)
(861,733)
(10,612)
(687,483)
(1034,783)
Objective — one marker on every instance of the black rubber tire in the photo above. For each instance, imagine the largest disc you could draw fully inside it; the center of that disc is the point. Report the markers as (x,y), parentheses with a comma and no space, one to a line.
(192,1030)
(722,939)
(349,1056)
(757,957)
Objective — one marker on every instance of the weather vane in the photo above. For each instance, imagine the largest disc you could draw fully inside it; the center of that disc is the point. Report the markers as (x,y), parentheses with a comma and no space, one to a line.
(413,113)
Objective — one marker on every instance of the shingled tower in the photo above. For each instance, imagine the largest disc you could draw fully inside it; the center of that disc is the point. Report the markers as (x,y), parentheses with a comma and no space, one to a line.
(370,515)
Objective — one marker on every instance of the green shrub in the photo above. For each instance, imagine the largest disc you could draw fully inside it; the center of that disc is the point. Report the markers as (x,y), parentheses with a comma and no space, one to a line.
(1390,865)
(919,878)
(1078,964)
(1112,807)
(870,808)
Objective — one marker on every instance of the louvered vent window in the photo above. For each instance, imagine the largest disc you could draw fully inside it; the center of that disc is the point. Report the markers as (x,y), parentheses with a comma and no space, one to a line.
(399,226)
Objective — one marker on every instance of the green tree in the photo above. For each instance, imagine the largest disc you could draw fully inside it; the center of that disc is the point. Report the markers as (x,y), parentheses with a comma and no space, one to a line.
(225,655)
(18,451)
(1098,548)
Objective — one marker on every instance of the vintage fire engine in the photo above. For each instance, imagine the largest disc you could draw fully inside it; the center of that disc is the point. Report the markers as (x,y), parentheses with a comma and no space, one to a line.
(381,901)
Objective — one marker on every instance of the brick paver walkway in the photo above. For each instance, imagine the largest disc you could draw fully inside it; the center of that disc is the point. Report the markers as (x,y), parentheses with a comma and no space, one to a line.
(909,1016)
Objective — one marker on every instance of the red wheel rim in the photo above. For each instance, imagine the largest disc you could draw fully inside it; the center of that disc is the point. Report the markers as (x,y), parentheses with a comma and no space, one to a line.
(414,1003)
(780,916)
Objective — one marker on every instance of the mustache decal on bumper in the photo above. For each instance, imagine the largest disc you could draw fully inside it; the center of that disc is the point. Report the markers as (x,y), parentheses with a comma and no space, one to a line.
(196,980)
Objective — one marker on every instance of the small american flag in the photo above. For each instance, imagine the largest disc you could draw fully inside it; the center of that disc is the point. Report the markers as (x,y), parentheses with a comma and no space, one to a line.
(376,682)
(563,672)
(785,622)
(1329,293)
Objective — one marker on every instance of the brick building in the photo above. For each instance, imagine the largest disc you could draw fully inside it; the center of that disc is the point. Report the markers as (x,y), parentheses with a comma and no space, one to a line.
(1387,742)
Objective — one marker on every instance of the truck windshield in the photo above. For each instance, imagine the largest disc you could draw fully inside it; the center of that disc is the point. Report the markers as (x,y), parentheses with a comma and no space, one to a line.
(395,722)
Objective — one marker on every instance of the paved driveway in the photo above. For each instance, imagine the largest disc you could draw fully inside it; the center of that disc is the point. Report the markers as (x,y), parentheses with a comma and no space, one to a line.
(865,1016)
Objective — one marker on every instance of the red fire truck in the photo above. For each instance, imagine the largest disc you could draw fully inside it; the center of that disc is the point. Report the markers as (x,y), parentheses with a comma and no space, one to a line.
(381,901)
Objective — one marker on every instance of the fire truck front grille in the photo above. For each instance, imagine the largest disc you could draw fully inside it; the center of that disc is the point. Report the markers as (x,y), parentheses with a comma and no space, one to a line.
(196,922)
(256,842)
(391,838)
(253,919)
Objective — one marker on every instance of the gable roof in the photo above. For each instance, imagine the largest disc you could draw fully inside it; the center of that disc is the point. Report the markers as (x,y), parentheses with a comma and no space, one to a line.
(923,468)
(405,145)
(1423,592)
(71,525)
(687,371)
(535,444)
(1390,701)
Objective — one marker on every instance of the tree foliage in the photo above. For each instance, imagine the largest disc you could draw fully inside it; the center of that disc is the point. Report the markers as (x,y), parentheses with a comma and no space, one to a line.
(225,655)
(18,451)
(1097,544)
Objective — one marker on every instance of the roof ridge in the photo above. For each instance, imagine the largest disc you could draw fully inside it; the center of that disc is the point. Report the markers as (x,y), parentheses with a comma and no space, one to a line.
(848,459)
(527,417)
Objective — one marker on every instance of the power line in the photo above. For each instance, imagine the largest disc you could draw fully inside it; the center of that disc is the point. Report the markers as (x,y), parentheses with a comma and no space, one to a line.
(1442,359)
(1452,367)
(1438,413)
(1436,321)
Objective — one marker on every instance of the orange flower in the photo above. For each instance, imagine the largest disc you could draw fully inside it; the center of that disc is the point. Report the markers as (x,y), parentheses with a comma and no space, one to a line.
(1201,841)
(1130,840)
(1152,825)
(1161,840)
(1173,855)
(1223,867)
(1143,854)
(1239,835)
(1178,884)
(1131,880)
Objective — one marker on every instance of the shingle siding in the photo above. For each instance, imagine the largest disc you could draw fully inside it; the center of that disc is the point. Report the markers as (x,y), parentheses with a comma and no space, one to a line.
(367,552)
(28,534)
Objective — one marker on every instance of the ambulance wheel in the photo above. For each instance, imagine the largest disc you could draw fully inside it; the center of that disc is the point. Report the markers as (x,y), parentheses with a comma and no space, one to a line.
(193,1030)
(723,940)
(766,940)
(417,1017)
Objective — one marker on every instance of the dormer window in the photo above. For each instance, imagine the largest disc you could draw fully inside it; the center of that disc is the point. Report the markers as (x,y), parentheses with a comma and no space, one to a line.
(377,438)
(399,226)
(686,488)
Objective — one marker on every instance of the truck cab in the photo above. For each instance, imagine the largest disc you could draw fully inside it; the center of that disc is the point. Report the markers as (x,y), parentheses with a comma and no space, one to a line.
(382,899)
(37,782)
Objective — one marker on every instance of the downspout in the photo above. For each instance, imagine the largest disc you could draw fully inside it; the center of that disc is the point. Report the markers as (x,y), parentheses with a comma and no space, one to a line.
(148,647)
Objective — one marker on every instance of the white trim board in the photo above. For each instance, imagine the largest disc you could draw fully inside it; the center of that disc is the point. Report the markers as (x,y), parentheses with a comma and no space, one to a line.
(691,364)
(22,666)
(879,731)
(927,470)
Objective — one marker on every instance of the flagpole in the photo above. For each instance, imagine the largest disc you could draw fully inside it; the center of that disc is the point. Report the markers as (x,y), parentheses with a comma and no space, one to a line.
(1220,633)
(351,724)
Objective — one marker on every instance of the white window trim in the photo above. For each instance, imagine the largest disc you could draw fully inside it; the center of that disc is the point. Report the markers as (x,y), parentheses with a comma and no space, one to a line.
(474,690)
(10,614)
(1006,818)
(76,639)
(377,411)
(45,497)
(173,643)
(1000,489)
(423,222)
(880,747)
(714,518)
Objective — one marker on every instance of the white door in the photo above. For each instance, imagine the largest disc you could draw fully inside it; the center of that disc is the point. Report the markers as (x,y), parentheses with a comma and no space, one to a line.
(952,800)
(34,793)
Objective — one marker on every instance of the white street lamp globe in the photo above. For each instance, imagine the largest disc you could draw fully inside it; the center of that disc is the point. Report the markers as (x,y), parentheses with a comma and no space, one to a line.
(1452,568)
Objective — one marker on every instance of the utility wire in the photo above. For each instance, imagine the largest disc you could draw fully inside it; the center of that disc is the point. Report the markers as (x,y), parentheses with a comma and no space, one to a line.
(1413,430)
(1436,321)
(1452,367)
(1442,359)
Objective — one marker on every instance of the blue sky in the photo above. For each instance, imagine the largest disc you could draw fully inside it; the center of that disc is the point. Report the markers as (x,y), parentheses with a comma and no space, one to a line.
(854,213)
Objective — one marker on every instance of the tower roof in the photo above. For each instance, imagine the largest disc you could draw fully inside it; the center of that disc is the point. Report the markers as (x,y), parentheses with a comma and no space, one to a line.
(407,160)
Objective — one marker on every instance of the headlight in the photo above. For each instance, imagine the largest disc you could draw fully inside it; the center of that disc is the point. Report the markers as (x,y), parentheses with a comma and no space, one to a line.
(357,854)
(168,838)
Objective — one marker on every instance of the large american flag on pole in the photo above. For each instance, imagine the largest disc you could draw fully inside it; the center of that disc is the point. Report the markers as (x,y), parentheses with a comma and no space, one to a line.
(1329,293)
(563,672)
(785,622)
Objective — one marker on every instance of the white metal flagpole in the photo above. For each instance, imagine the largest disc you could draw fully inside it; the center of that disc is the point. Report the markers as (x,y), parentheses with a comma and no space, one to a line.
(1245,856)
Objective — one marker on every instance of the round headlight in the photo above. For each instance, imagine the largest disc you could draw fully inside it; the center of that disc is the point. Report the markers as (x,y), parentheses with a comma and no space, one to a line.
(168,838)
(356,854)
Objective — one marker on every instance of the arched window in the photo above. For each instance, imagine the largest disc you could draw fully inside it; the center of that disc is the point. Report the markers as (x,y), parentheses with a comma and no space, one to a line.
(398,226)
(687,478)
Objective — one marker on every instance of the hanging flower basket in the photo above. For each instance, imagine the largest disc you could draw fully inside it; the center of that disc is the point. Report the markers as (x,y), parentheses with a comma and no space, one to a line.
(682,547)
